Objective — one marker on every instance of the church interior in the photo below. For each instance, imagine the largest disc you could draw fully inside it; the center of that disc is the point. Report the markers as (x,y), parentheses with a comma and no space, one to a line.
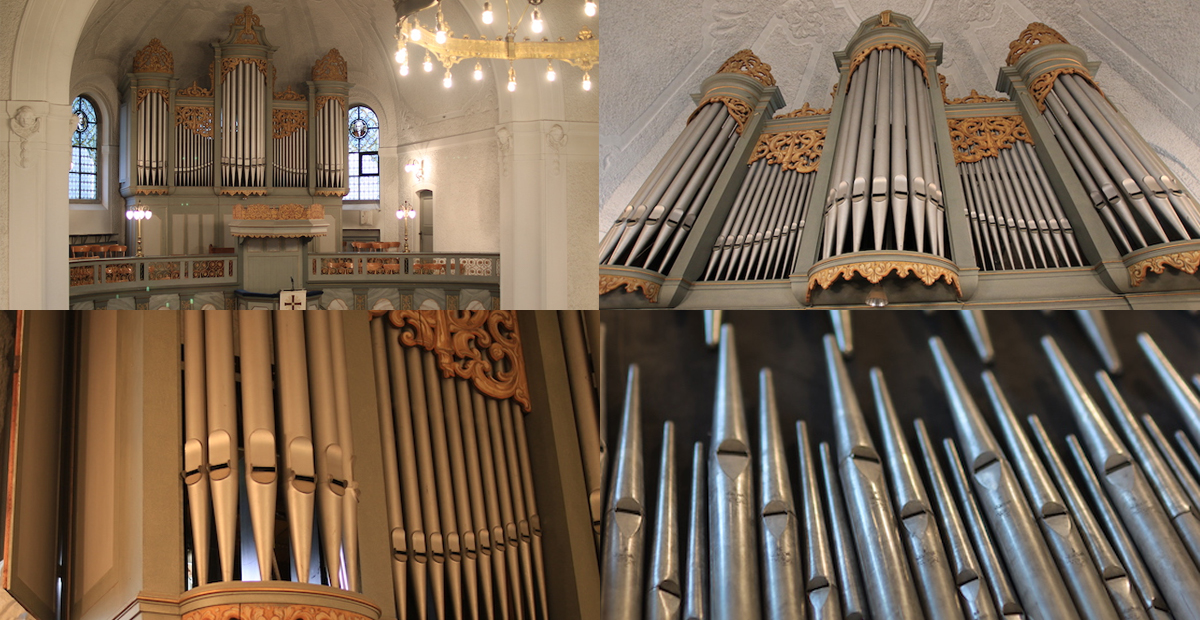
(212,154)
(919,154)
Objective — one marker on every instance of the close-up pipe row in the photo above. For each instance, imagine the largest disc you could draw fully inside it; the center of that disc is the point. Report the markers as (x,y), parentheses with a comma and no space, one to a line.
(886,158)
(1139,199)
(1019,512)
(652,228)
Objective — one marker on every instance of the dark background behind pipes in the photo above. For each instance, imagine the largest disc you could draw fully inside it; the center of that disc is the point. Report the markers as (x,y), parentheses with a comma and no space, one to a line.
(679,373)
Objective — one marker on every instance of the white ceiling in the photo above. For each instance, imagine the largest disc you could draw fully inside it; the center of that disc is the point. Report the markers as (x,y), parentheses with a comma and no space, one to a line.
(657,53)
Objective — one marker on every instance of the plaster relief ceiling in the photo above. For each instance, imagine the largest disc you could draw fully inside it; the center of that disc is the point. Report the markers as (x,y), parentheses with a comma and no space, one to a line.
(1149,64)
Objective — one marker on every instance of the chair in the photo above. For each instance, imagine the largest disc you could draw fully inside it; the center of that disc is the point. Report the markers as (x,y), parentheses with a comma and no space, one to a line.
(114,250)
(79,251)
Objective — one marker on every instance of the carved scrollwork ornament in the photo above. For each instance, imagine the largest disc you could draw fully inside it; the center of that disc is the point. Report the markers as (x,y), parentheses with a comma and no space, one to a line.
(610,283)
(914,54)
(331,67)
(746,63)
(324,99)
(737,108)
(282,212)
(229,64)
(289,95)
(247,20)
(874,271)
(1035,35)
(286,122)
(468,344)
(144,92)
(195,90)
(196,118)
(976,138)
(1186,262)
(794,150)
(1041,87)
(805,110)
(154,58)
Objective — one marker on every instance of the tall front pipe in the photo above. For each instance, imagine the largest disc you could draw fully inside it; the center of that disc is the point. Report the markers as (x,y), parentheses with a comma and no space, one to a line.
(663,594)
(820,577)
(1181,393)
(623,563)
(431,496)
(222,432)
(1147,522)
(733,549)
(889,586)
(475,484)
(410,484)
(1059,527)
(918,526)
(695,587)
(391,470)
(1185,478)
(331,480)
(1038,582)
(341,391)
(584,404)
(462,499)
(295,432)
(531,510)
(845,557)
(195,448)
(451,539)
(783,575)
(258,431)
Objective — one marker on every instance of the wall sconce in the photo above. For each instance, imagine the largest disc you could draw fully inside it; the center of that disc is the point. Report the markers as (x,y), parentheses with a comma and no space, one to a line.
(416,167)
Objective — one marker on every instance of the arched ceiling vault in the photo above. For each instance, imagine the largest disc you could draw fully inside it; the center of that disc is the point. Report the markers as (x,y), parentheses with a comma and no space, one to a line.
(1147,50)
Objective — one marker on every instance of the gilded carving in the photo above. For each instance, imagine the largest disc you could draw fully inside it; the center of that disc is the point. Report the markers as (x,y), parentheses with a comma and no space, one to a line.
(1040,88)
(286,122)
(82,275)
(195,90)
(610,283)
(243,191)
(794,150)
(746,63)
(154,58)
(324,99)
(229,64)
(282,212)
(331,192)
(247,20)
(874,271)
(1186,262)
(196,118)
(162,271)
(974,97)
(150,191)
(335,266)
(805,110)
(331,67)
(208,269)
(885,20)
(737,108)
(467,344)
(144,92)
(1035,35)
(288,95)
(986,136)
(914,54)
(261,611)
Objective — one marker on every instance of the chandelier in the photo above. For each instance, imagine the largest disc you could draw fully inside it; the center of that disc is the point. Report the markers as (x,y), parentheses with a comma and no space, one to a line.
(440,44)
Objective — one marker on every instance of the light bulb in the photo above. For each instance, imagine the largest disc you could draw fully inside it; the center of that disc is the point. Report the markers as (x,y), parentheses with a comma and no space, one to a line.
(402,54)
(536,24)
(512,79)
(487,12)
(550,75)
(447,81)
(587,81)
(512,86)
(428,64)
(404,69)
(129,215)
(589,8)
(416,33)
(478,72)
(441,36)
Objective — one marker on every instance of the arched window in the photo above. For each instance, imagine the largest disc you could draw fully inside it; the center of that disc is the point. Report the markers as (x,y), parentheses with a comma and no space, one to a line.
(364,154)
(84,148)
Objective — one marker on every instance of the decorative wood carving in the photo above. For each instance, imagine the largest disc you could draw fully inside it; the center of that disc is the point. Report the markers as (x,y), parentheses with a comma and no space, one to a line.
(149,191)
(247,20)
(1035,35)
(154,58)
(256,611)
(197,118)
(467,344)
(289,95)
(974,97)
(82,275)
(162,92)
(286,122)
(331,192)
(195,90)
(282,212)
(168,270)
(229,64)
(746,63)
(914,54)
(874,271)
(1040,88)
(986,136)
(324,99)
(794,150)
(1186,262)
(737,108)
(208,269)
(331,67)
(243,191)
(649,289)
(805,110)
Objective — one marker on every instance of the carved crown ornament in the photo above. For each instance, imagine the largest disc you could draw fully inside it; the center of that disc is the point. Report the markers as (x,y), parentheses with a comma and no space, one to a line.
(247,20)
(331,67)
(986,136)
(794,150)
(974,97)
(468,344)
(154,58)
(805,110)
(1035,35)
(289,95)
(746,63)
(195,90)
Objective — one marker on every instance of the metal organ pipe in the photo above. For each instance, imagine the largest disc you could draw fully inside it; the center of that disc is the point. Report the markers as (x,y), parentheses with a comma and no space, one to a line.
(222,432)
(327,449)
(859,189)
(409,478)
(391,471)
(880,171)
(258,431)
(195,448)
(916,163)
(296,435)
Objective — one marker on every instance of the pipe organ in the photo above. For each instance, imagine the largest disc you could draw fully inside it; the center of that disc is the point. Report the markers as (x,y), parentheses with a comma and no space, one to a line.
(239,136)
(1047,195)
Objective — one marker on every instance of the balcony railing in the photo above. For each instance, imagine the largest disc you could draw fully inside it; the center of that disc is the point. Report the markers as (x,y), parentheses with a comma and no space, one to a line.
(116,275)
(331,269)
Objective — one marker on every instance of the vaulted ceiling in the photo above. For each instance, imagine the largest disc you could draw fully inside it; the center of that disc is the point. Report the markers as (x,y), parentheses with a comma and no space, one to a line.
(657,53)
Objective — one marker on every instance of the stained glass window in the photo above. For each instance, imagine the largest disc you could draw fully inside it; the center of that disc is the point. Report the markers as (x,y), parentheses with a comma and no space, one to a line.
(84,163)
(364,154)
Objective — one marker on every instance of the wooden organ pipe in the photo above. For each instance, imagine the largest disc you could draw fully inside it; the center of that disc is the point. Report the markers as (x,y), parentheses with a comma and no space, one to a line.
(195,470)
(327,448)
(258,431)
(295,436)
(222,437)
